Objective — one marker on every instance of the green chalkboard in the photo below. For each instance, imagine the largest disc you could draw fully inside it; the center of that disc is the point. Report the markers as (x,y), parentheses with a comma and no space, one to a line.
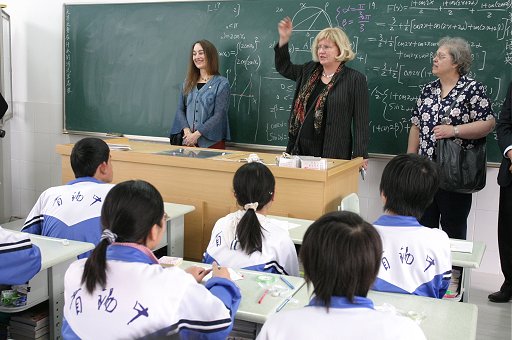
(124,63)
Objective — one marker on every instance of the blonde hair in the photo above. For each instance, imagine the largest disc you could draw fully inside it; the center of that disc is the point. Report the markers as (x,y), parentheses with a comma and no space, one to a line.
(337,36)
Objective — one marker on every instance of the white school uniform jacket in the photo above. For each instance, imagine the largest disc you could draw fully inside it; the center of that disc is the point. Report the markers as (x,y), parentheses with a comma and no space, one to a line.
(345,320)
(20,260)
(143,299)
(415,260)
(278,253)
(70,211)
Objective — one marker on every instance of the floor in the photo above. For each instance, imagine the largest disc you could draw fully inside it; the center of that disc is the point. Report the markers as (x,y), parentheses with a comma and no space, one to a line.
(494,319)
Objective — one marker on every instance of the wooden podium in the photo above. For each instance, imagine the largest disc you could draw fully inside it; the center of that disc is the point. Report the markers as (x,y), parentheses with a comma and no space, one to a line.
(187,177)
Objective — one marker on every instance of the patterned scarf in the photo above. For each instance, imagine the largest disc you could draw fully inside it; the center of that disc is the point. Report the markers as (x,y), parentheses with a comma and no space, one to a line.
(299,109)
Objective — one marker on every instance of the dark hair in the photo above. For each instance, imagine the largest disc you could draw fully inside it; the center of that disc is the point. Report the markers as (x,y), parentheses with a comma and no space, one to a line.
(409,183)
(253,182)
(130,210)
(212,64)
(87,154)
(341,255)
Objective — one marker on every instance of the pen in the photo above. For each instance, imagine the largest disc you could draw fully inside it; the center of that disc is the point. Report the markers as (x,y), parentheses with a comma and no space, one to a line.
(263,296)
(281,306)
(287,282)
(362,171)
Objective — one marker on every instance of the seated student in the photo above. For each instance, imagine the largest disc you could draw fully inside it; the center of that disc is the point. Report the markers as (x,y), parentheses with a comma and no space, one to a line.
(122,292)
(72,211)
(20,259)
(416,259)
(341,255)
(247,238)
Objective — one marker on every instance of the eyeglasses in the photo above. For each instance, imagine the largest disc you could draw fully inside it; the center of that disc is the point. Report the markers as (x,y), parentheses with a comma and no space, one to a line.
(440,56)
(324,47)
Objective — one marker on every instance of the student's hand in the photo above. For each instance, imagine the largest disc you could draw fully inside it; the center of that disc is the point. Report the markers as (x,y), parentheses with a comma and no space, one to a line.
(219,271)
(285,28)
(198,273)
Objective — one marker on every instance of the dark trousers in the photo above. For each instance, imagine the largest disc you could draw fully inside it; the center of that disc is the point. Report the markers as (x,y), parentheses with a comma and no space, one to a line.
(505,233)
(451,209)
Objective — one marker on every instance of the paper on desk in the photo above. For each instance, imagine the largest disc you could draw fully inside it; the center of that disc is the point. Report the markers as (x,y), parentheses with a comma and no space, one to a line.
(121,147)
(285,224)
(461,246)
(234,275)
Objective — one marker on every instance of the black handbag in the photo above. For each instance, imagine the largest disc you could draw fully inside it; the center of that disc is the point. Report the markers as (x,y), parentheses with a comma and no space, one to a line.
(176,138)
(461,170)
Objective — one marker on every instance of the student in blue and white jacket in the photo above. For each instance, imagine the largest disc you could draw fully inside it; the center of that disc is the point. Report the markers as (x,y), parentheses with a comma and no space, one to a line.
(247,238)
(72,211)
(20,260)
(122,292)
(416,259)
(341,256)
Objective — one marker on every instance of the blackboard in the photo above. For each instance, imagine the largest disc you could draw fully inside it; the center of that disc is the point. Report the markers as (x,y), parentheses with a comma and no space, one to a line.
(124,63)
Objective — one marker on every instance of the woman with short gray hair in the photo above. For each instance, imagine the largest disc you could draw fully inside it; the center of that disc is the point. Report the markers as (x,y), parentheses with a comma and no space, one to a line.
(467,122)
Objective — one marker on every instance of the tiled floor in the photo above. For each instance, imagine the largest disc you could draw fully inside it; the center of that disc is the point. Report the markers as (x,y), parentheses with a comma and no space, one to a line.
(494,319)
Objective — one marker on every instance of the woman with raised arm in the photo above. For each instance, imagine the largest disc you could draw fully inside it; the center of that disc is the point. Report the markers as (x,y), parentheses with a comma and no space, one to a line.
(329,116)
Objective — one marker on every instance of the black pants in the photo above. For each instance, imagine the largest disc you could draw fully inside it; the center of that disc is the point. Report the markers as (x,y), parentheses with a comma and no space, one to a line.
(505,233)
(452,210)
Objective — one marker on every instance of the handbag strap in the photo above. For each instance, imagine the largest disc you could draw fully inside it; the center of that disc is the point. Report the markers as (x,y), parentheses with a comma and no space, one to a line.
(447,112)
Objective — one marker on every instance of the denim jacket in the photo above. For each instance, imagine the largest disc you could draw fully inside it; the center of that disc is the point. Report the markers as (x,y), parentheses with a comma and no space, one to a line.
(206,110)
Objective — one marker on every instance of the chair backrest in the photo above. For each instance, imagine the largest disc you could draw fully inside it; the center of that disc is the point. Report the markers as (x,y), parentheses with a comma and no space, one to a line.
(350,203)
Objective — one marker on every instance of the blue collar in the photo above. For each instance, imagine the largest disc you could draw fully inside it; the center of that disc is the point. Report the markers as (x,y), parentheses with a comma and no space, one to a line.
(397,221)
(127,254)
(85,179)
(343,302)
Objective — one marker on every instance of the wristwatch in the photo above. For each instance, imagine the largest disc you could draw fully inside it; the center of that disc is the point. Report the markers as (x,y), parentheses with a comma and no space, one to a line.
(456,131)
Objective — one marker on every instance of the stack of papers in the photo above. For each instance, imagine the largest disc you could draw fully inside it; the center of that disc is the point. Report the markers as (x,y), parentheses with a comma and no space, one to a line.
(121,147)
(461,246)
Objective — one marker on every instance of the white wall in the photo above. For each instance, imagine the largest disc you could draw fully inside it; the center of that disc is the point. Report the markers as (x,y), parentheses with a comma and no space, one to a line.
(29,148)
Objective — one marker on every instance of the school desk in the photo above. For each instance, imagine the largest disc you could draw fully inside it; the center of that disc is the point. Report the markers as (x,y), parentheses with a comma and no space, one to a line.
(48,284)
(251,315)
(204,178)
(174,234)
(440,319)
(461,259)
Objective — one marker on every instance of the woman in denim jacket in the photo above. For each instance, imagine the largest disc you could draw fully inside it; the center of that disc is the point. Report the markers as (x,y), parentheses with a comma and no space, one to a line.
(202,114)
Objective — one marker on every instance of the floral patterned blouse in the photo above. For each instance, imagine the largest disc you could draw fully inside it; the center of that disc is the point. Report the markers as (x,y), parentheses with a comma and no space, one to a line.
(472,105)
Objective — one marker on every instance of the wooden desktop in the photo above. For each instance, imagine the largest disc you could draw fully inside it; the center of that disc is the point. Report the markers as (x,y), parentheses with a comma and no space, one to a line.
(206,183)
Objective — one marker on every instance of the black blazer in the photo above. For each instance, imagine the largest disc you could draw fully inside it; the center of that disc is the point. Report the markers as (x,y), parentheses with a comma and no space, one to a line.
(504,132)
(348,104)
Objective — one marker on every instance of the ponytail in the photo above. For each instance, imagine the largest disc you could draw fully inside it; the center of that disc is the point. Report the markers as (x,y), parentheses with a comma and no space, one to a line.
(254,185)
(249,233)
(129,212)
(95,267)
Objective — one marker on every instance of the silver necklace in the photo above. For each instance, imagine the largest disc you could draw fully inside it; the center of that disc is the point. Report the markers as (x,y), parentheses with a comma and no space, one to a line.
(327,75)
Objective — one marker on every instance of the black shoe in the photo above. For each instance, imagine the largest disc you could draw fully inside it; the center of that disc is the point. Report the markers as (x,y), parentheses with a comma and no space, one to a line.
(503,295)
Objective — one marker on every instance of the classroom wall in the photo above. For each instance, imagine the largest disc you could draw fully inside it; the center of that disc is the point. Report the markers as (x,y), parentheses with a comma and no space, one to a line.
(30,164)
